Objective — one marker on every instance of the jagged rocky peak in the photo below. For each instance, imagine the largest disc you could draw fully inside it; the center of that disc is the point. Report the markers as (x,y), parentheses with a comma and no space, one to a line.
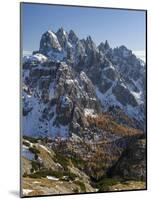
(61,31)
(122,51)
(103,47)
(62,36)
(91,52)
(49,42)
(73,37)
(69,68)
(128,65)
(90,43)
(106,45)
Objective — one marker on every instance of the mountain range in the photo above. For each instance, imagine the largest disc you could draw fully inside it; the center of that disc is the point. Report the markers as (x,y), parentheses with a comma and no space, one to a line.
(70,78)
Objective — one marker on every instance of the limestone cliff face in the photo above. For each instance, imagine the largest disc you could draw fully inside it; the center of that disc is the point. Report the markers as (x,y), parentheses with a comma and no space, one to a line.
(55,98)
(132,163)
(69,78)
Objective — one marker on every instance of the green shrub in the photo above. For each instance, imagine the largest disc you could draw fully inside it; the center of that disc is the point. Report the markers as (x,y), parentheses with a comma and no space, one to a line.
(30,139)
(62,160)
(104,184)
(31,170)
(77,162)
(35,175)
(69,175)
(26,143)
(45,172)
(25,174)
(65,161)
(76,190)
(35,166)
(57,174)
(34,150)
(81,184)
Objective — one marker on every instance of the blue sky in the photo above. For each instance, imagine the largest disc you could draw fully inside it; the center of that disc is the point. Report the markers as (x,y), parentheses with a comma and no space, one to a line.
(119,27)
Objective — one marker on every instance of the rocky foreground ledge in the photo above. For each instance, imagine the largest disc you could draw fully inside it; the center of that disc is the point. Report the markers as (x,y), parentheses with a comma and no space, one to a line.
(77,166)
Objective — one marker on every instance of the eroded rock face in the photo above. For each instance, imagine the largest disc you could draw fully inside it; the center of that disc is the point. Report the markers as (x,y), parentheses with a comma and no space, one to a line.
(48,42)
(111,74)
(62,37)
(90,77)
(73,37)
(61,96)
(103,47)
(124,96)
(132,164)
(104,86)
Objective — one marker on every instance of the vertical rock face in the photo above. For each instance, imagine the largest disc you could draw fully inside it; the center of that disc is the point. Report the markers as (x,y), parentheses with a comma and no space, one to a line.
(104,47)
(50,46)
(72,37)
(124,96)
(49,41)
(69,78)
(132,164)
(56,100)
(62,37)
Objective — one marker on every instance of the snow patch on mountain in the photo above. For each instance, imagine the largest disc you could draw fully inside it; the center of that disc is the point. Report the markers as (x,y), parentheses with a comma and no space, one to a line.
(138,96)
(89,112)
(54,37)
(36,57)
(56,56)
(108,99)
